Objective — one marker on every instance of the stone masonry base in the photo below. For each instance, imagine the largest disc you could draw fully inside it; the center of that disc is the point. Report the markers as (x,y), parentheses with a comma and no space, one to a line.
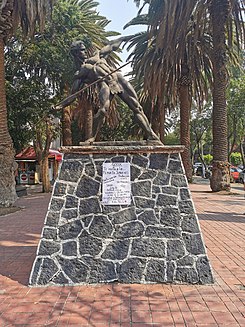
(156,239)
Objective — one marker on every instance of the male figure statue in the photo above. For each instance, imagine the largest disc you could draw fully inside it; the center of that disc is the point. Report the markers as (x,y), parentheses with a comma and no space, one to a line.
(96,68)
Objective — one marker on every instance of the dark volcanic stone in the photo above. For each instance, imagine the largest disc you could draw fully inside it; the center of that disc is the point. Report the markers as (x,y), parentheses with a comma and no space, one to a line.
(175,156)
(175,249)
(144,202)
(162,232)
(140,161)
(48,247)
(71,202)
(87,220)
(123,216)
(156,271)
(147,247)
(178,181)
(170,217)
(110,209)
(59,189)
(116,250)
(118,159)
(189,224)
(69,214)
(131,271)
(75,269)
(48,270)
(71,171)
(89,206)
(141,189)
(56,204)
(204,271)
(170,271)
(102,271)
(101,227)
(89,244)
(87,187)
(35,271)
(70,230)
(186,261)
(69,248)
(52,219)
(131,229)
(149,174)
(60,279)
(148,217)
(186,207)
(161,179)
(164,200)
(184,194)
(186,275)
(135,172)
(194,243)
(90,170)
(50,233)
(174,167)
(170,190)
(158,161)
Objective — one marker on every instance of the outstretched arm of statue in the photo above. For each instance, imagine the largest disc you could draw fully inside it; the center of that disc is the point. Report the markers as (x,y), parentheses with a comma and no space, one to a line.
(113,45)
(76,86)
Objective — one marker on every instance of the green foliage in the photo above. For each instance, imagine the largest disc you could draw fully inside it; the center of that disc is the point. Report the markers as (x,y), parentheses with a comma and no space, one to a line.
(208,158)
(236,110)
(39,70)
(124,130)
(235,158)
(171,139)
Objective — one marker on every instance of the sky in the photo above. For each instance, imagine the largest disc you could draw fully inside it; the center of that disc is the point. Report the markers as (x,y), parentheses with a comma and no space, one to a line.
(120,12)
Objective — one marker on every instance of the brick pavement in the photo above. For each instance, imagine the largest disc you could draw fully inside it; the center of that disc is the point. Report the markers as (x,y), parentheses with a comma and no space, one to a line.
(221,304)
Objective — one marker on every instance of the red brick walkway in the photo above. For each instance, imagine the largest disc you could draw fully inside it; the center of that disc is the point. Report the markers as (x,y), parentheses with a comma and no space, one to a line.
(221,304)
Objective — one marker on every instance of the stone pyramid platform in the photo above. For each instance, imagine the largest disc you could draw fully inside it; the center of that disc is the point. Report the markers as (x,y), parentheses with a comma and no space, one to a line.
(155,238)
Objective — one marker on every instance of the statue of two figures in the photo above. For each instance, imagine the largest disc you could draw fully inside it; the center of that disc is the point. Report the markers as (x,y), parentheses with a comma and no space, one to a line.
(110,82)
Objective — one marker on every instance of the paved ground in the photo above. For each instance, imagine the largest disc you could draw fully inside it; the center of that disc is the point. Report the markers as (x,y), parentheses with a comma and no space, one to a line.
(222,304)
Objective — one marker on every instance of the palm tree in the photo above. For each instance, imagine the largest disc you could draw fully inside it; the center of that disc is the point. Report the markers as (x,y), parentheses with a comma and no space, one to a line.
(171,23)
(28,14)
(174,61)
(222,12)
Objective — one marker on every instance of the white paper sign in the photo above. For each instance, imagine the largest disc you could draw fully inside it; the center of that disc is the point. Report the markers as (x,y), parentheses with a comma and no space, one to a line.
(116,183)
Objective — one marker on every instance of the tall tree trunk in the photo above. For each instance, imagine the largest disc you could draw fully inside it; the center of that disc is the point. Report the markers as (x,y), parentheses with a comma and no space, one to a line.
(220,180)
(7,162)
(185,113)
(88,123)
(46,186)
(66,126)
(162,122)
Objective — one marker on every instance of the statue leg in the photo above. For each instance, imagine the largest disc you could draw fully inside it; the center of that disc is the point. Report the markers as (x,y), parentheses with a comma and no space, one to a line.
(105,100)
(131,100)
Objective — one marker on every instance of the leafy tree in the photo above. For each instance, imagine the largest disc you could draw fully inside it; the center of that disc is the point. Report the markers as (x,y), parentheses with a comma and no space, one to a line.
(40,69)
(208,158)
(235,158)
(29,15)
(236,114)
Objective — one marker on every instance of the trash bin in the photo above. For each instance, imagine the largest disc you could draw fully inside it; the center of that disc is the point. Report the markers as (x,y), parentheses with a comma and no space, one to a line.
(23,178)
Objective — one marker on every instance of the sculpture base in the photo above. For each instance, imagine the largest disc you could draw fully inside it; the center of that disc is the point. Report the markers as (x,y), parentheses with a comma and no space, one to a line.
(155,239)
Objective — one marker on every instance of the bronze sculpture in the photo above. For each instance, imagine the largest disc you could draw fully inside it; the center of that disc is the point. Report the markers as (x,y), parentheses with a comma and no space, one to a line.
(95,69)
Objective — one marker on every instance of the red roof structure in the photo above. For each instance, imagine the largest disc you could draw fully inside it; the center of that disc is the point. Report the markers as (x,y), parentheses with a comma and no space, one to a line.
(30,154)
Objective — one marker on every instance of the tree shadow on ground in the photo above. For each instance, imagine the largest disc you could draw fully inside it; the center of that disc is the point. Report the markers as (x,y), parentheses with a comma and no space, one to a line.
(233,217)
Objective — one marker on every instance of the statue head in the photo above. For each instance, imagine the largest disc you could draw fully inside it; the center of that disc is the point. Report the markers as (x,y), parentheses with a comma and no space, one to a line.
(78,50)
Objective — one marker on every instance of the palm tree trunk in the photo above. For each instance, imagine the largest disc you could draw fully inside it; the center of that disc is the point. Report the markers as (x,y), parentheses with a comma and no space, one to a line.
(220,180)
(185,113)
(7,162)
